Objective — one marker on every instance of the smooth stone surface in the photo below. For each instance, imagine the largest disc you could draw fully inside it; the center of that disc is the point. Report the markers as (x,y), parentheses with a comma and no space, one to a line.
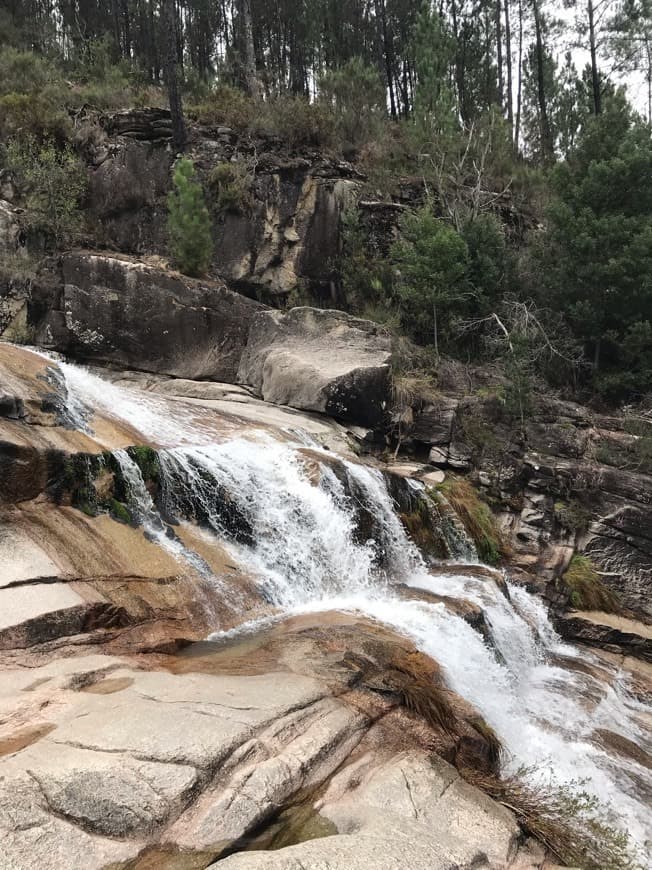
(320,360)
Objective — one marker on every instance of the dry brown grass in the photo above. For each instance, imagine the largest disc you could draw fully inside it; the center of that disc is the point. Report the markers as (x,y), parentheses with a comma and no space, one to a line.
(494,745)
(568,821)
(412,680)
(413,389)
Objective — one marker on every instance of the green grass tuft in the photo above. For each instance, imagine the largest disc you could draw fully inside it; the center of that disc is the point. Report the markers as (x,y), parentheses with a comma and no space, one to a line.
(587,591)
(120,511)
(476,517)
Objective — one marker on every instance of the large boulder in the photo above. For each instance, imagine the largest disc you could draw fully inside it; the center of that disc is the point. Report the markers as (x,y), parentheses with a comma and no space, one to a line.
(132,314)
(320,360)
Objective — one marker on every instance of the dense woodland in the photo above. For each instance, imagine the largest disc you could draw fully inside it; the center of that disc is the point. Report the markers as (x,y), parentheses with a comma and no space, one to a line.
(529,238)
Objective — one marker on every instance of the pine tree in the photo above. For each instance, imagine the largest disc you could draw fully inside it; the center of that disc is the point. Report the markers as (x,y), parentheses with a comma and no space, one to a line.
(434,102)
(189,224)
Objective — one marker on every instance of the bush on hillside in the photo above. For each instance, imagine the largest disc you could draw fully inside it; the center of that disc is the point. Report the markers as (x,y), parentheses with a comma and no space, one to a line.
(356,96)
(53,181)
(32,97)
(431,259)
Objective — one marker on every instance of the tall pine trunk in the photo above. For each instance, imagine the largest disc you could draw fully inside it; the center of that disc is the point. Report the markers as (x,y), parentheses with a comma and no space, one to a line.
(595,75)
(499,55)
(519,93)
(252,82)
(547,146)
(508,59)
(388,55)
(171,76)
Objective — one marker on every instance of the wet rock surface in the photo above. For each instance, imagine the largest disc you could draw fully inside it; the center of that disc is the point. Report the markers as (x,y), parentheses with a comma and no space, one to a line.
(320,738)
(555,483)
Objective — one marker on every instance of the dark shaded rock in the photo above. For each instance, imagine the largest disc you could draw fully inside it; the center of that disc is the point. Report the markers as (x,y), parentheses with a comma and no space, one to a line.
(287,235)
(434,423)
(147,124)
(66,622)
(134,315)
(126,196)
(621,544)
(612,633)
(11,234)
(24,472)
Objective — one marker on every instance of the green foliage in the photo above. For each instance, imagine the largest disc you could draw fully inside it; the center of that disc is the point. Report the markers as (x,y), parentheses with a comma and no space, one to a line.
(231,184)
(366,278)
(293,119)
(587,591)
(36,95)
(571,823)
(519,370)
(189,224)
(119,511)
(77,482)
(103,80)
(434,104)
(32,97)
(226,106)
(54,181)
(431,259)
(476,518)
(572,515)
(146,458)
(487,249)
(296,122)
(598,257)
(357,97)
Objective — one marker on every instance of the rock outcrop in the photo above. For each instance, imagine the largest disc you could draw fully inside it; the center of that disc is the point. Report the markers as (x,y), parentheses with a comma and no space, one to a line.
(104,763)
(608,631)
(320,360)
(117,310)
(555,481)
(280,234)
(11,235)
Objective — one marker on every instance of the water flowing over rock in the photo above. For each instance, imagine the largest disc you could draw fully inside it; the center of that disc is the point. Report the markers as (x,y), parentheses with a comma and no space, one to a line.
(339,656)
(552,490)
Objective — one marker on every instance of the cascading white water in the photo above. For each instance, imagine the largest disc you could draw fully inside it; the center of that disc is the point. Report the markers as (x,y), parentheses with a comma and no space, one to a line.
(302,542)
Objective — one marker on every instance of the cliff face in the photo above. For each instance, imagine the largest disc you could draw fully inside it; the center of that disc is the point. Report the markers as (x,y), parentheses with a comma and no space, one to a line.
(567,481)
(275,213)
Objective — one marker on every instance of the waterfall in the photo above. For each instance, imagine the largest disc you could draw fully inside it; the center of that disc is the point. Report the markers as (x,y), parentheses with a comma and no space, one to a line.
(321,534)
(144,512)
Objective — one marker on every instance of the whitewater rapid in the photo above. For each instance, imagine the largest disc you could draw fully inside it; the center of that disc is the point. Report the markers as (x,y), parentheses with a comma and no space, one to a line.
(305,550)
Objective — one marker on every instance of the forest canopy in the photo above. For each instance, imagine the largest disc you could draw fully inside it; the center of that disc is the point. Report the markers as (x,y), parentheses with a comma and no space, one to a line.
(533,158)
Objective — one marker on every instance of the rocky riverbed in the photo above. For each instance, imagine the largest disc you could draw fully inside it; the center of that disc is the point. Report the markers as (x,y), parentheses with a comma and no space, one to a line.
(351,692)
